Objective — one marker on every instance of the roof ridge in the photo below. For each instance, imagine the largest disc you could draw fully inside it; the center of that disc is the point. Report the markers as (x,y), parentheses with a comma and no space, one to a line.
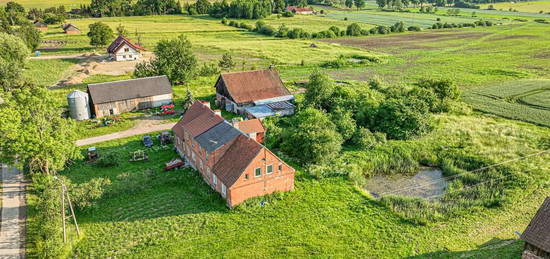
(248,71)
(128,80)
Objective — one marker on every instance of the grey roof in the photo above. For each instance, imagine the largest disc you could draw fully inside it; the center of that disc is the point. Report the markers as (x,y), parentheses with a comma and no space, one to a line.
(537,232)
(129,89)
(217,136)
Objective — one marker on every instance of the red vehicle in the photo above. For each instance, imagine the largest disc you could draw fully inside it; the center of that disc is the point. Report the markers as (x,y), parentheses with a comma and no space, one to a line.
(173,164)
(167,109)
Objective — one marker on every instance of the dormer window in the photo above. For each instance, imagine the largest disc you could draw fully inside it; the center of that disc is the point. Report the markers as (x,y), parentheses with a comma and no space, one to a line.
(126,49)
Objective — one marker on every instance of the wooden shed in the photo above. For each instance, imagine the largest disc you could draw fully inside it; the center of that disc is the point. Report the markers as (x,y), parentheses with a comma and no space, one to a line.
(117,97)
(537,234)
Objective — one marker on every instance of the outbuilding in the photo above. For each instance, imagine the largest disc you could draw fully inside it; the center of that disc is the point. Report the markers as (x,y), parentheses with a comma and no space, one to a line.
(537,234)
(122,49)
(255,94)
(70,29)
(117,97)
(40,26)
(299,10)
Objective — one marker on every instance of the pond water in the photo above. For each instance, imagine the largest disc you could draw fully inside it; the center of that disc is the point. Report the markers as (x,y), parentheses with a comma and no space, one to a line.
(426,183)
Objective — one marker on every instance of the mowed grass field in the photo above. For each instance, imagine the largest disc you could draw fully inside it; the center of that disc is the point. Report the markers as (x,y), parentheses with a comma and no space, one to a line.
(42,4)
(527,100)
(522,6)
(409,19)
(149,213)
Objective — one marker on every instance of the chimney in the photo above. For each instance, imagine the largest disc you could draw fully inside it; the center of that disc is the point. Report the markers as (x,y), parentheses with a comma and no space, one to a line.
(217,112)
(205,103)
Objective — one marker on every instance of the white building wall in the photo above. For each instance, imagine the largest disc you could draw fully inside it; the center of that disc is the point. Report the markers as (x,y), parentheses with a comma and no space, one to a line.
(160,100)
(127,53)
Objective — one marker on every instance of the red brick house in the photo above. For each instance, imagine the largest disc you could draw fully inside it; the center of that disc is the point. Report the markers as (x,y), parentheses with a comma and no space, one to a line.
(255,94)
(231,162)
(299,10)
(253,128)
(537,234)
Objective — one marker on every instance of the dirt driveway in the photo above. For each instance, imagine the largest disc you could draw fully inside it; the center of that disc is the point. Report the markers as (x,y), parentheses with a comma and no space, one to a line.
(94,64)
(12,231)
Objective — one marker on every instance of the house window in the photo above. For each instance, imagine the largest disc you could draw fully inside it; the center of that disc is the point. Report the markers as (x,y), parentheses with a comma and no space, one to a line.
(206,156)
(258,172)
(214,180)
(193,156)
(246,176)
(208,173)
(124,56)
(129,56)
(224,190)
(200,165)
(127,50)
(269,169)
(280,167)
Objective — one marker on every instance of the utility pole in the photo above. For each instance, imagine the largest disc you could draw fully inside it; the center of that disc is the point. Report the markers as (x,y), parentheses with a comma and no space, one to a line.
(63,214)
(65,193)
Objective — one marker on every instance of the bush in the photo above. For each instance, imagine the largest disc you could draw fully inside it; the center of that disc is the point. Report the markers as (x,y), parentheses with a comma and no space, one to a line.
(209,69)
(414,28)
(353,30)
(383,30)
(295,33)
(365,139)
(108,160)
(224,20)
(288,14)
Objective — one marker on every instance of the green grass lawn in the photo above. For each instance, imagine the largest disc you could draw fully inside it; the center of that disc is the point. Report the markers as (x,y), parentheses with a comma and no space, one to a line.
(527,6)
(158,214)
(310,23)
(47,72)
(42,4)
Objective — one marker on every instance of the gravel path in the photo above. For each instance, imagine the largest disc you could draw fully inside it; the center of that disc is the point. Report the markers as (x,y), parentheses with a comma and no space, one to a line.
(12,231)
(127,133)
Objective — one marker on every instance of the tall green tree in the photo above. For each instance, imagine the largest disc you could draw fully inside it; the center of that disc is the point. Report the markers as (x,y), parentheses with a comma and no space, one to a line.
(100,34)
(312,137)
(36,135)
(30,35)
(173,58)
(349,3)
(121,30)
(13,55)
(359,3)
(319,90)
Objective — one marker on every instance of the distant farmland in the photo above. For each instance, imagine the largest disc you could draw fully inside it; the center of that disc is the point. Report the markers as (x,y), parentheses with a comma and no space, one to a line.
(389,18)
(527,100)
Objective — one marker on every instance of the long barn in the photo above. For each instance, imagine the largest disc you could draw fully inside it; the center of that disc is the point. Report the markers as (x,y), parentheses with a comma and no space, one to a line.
(112,98)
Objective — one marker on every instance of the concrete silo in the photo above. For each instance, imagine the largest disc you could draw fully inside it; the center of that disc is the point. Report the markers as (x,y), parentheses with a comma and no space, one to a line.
(79,105)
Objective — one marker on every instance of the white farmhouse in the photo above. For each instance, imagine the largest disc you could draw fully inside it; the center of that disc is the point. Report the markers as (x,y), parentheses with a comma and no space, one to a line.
(123,50)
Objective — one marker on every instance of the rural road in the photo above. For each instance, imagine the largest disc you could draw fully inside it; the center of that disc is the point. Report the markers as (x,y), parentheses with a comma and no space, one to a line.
(12,232)
(124,134)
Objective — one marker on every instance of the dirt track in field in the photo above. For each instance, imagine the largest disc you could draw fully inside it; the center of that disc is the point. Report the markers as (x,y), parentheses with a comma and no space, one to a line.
(408,41)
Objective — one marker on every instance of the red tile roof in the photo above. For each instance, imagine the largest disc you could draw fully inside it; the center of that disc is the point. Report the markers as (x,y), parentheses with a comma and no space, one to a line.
(250,126)
(196,120)
(249,86)
(538,231)
(299,9)
(235,160)
(119,42)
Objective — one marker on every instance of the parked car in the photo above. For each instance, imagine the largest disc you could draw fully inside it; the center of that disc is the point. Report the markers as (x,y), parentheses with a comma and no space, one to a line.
(147,141)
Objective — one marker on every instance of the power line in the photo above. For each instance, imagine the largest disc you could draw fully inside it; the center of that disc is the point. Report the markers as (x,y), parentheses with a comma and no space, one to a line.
(461,174)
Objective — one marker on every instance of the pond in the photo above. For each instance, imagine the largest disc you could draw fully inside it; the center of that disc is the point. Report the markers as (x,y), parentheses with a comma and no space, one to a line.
(429,182)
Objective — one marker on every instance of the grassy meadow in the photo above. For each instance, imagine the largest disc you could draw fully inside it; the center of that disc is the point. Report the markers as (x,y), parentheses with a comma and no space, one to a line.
(527,6)
(147,213)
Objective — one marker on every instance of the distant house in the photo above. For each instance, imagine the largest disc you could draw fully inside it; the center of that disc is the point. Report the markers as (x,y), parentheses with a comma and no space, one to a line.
(121,49)
(117,97)
(537,234)
(70,29)
(255,94)
(252,128)
(40,26)
(231,162)
(299,10)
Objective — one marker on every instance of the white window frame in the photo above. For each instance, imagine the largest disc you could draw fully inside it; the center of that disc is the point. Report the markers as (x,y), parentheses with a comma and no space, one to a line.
(224,190)
(266,169)
(255,170)
(214,180)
